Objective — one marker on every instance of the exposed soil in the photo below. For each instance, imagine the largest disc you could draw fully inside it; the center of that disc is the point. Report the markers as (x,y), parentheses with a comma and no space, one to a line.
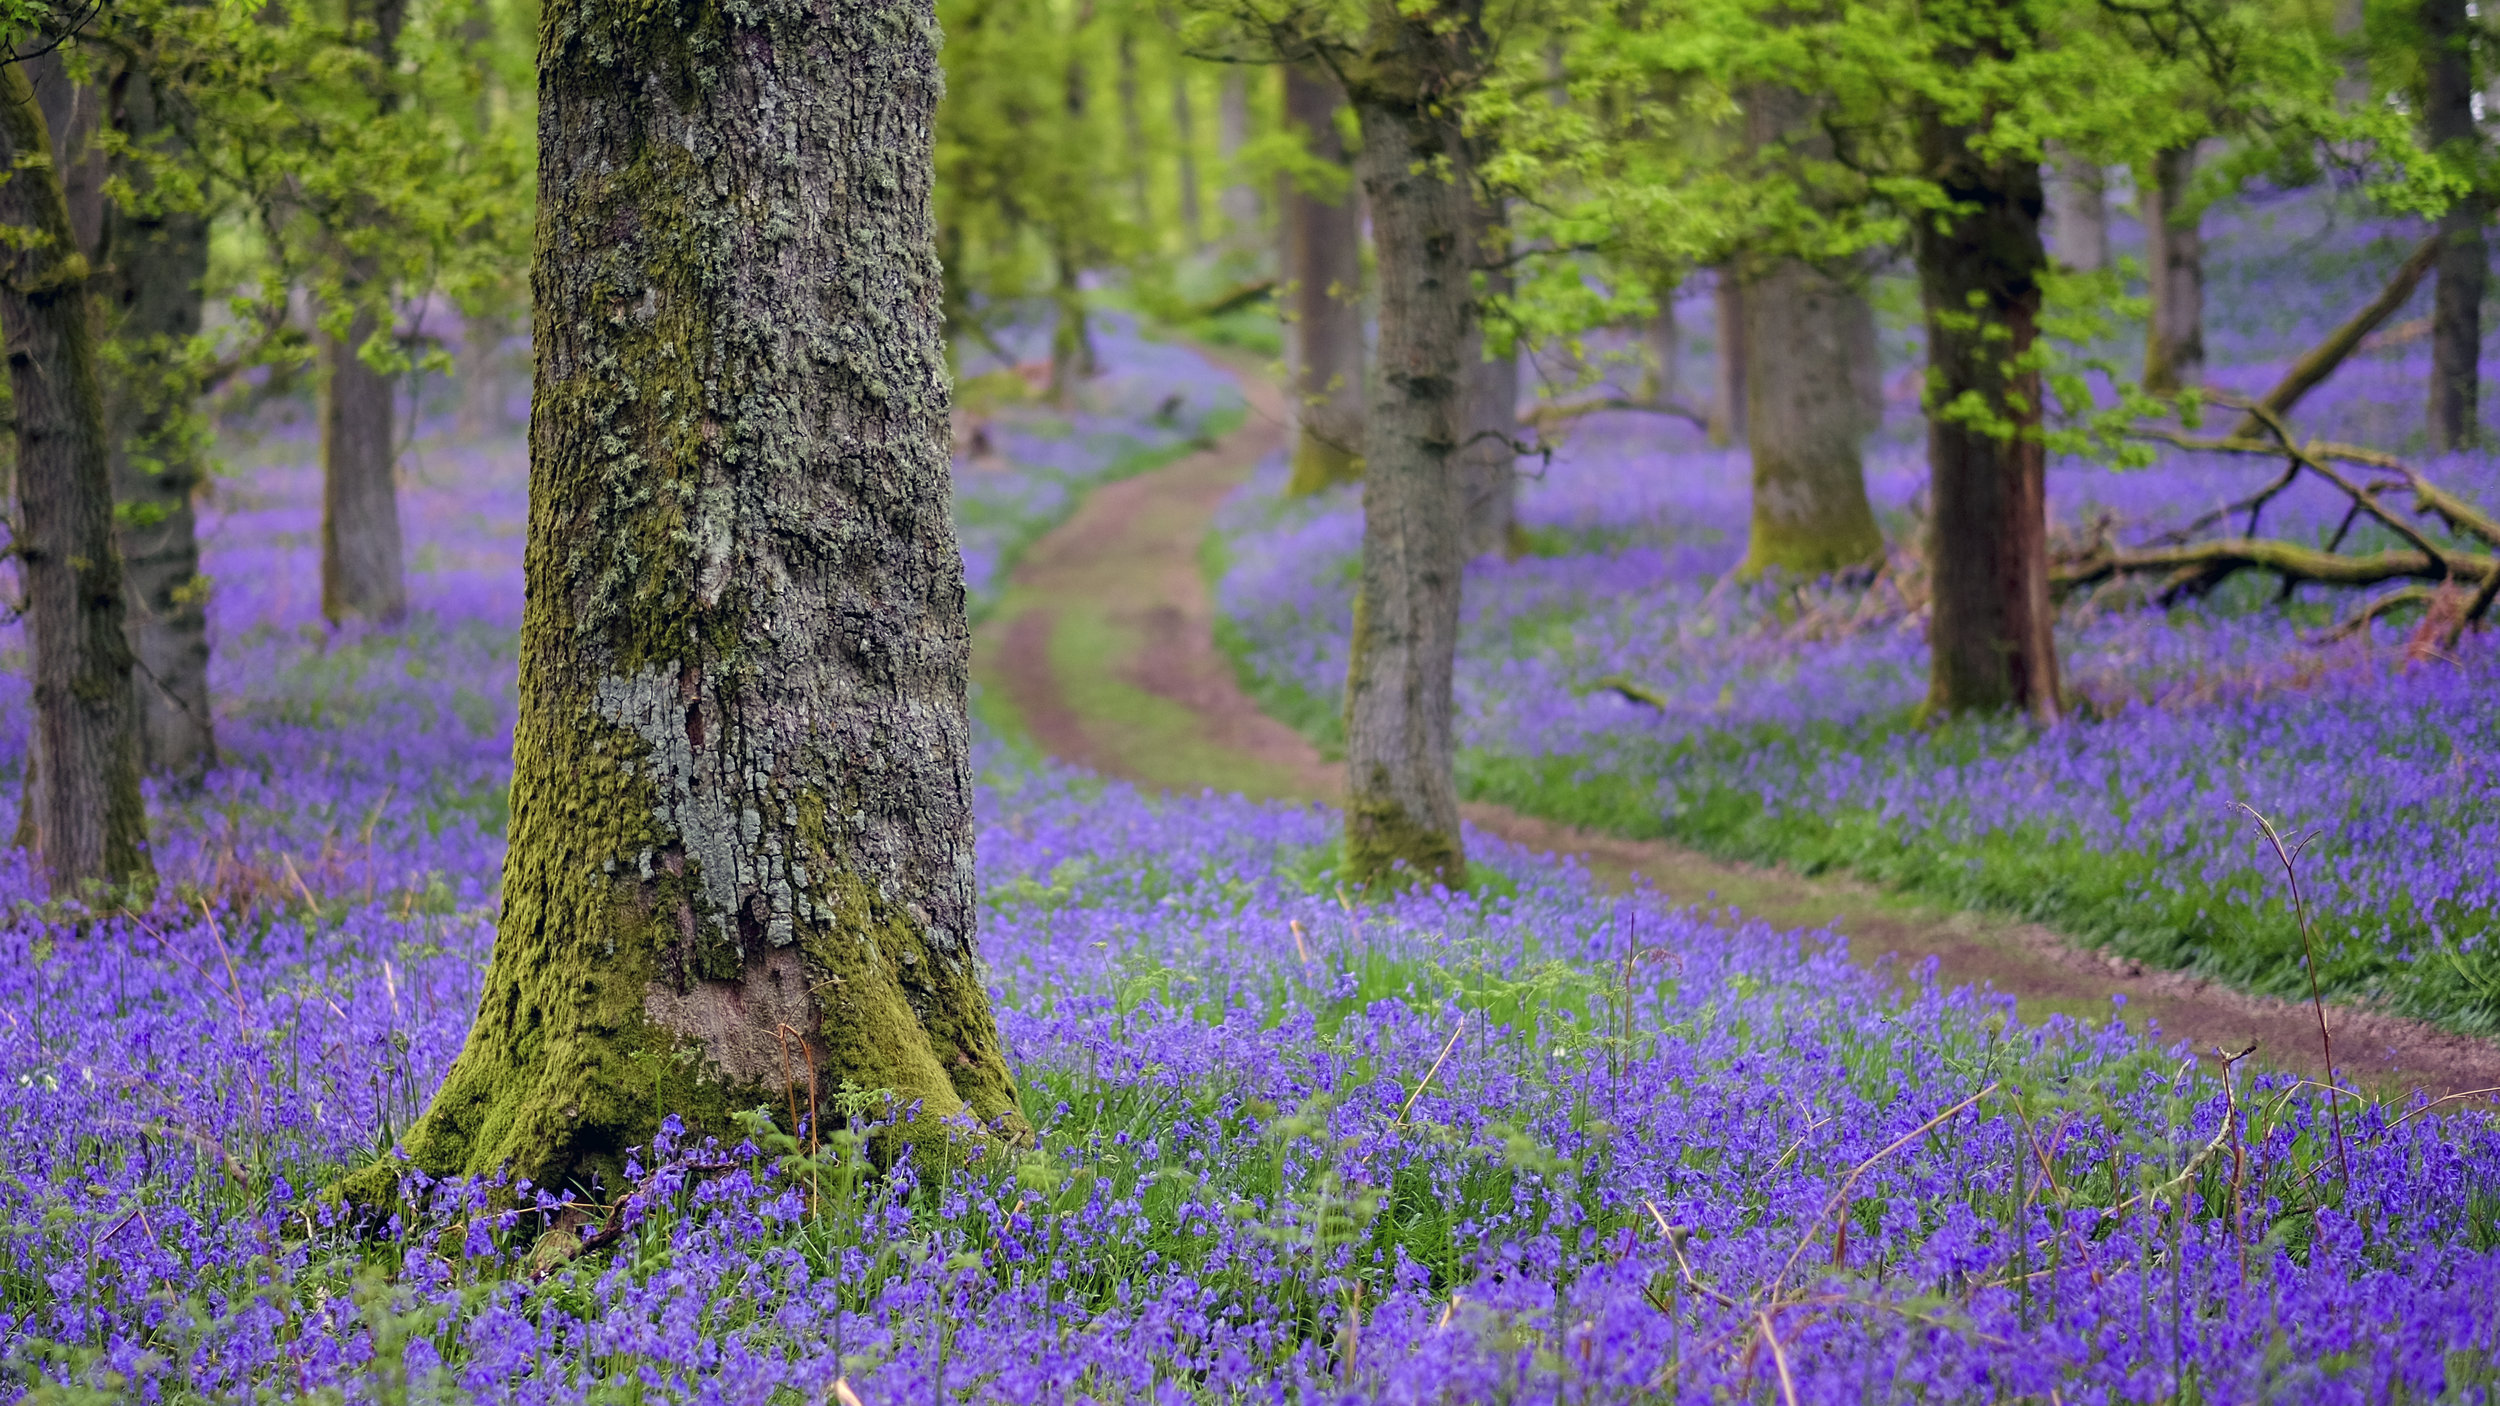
(1154,701)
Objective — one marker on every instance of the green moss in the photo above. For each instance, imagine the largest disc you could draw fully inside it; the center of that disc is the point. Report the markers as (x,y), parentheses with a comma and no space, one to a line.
(1385,845)
(1319,465)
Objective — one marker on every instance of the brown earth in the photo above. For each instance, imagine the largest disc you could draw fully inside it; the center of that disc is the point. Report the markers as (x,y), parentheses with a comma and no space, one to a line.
(1104,654)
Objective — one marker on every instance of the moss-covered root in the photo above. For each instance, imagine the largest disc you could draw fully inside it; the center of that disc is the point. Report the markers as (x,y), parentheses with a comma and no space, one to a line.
(1321,463)
(1385,847)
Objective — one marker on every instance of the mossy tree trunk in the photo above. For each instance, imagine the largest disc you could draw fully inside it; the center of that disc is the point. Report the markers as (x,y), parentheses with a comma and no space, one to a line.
(362,573)
(2078,200)
(2174,270)
(152,291)
(1728,396)
(1989,632)
(1806,406)
(741,845)
(1662,344)
(2464,255)
(1401,814)
(84,814)
(1489,458)
(1803,333)
(1321,263)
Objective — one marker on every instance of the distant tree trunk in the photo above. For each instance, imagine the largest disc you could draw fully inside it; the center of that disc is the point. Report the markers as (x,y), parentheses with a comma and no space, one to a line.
(1401,793)
(741,859)
(2174,269)
(361,573)
(1989,634)
(1240,200)
(153,295)
(481,412)
(2464,257)
(1185,134)
(1728,401)
(1799,329)
(1488,464)
(1322,265)
(362,577)
(1133,128)
(1072,356)
(87,821)
(1664,348)
(1807,409)
(2078,211)
(1864,351)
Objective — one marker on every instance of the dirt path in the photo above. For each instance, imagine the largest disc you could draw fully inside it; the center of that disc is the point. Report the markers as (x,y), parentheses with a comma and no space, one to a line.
(1103,654)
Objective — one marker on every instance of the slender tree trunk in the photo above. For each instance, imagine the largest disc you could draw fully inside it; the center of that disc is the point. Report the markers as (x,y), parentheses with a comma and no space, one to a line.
(1729,398)
(2464,257)
(1240,200)
(481,412)
(1807,410)
(1072,357)
(2174,268)
(2078,211)
(1401,793)
(1488,474)
(153,295)
(1185,134)
(362,577)
(1663,345)
(1133,128)
(1322,266)
(1989,631)
(88,823)
(741,863)
(1864,344)
(361,573)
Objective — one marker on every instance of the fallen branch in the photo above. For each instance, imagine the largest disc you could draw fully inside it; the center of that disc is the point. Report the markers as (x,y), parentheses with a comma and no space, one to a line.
(2320,361)
(1541,416)
(2211,563)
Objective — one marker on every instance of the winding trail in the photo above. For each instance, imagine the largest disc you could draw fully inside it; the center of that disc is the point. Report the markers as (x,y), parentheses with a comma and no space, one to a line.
(1103,654)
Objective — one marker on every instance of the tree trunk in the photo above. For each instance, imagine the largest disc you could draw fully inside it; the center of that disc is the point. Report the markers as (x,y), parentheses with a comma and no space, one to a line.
(153,297)
(1488,477)
(1401,794)
(1664,349)
(481,413)
(1728,402)
(1989,631)
(1807,409)
(2174,270)
(2078,211)
(88,823)
(361,573)
(1864,343)
(1240,200)
(1185,142)
(1073,360)
(741,864)
(2464,258)
(1322,267)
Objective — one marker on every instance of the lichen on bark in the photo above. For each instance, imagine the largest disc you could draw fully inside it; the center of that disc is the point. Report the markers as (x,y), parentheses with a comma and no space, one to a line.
(741,845)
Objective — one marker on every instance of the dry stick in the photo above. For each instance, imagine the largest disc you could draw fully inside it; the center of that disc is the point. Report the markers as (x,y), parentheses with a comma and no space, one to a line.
(1446,1047)
(2317,1001)
(1779,1359)
(2320,361)
(1840,1197)
(2411,1114)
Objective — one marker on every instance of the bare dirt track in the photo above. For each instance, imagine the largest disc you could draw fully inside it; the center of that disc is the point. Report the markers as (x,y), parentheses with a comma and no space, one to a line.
(1104,654)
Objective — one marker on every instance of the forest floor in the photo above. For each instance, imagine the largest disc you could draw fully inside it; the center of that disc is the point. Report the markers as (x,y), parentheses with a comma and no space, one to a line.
(1102,653)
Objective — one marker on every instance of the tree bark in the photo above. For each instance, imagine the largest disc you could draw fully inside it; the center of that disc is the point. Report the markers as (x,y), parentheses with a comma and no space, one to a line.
(1989,632)
(1728,402)
(1802,332)
(153,296)
(741,863)
(1807,408)
(1488,463)
(1322,266)
(2078,211)
(1240,200)
(481,412)
(1401,811)
(2174,270)
(88,823)
(2464,257)
(1185,143)
(1663,345)
(362,577)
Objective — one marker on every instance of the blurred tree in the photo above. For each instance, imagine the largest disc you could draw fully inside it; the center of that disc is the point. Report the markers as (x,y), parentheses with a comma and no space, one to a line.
(1488,454)
(82,815)
(2174,269)
(741,839)
(2078,210)
(1321,264)
(2450,37)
